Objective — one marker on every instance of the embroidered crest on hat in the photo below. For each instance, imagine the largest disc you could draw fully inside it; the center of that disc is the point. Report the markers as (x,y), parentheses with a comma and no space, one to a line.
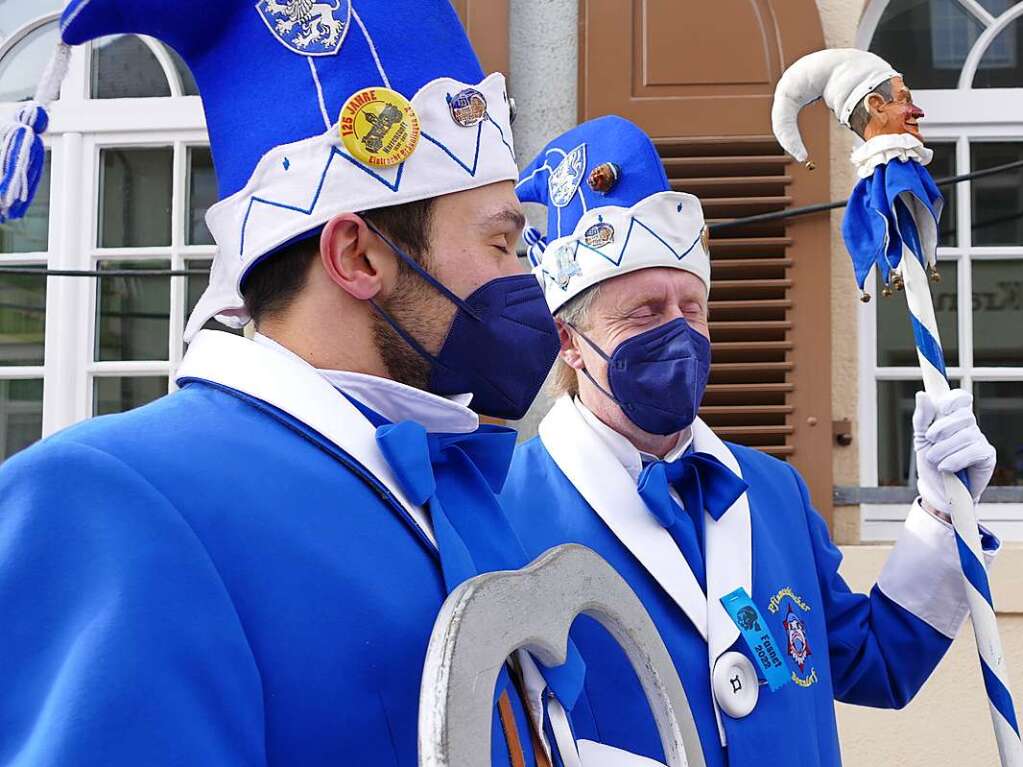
(379,127)
(599,235)
(603,178)
(640,222)
(307,27)
(565,266)
(468,107)
(565,179)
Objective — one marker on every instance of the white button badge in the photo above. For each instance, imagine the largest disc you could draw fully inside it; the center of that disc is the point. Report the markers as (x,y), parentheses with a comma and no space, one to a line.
(736,687)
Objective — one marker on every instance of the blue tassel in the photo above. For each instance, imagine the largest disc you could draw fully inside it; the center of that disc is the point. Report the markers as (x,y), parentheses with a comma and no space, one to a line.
(22,157)
(536,244)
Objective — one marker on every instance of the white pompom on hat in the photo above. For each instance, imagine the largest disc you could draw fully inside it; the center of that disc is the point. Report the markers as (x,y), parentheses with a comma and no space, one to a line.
(841,76)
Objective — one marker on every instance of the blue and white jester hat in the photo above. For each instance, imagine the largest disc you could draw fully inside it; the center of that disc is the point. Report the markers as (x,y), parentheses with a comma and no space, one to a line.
(610,211)
(317,107)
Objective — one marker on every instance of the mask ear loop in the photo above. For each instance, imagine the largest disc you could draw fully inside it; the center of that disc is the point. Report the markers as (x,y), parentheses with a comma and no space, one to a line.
(430,280)
(425,275)
(586,372)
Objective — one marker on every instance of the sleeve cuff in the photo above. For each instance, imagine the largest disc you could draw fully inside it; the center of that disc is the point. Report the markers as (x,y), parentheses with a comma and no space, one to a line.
(922,574)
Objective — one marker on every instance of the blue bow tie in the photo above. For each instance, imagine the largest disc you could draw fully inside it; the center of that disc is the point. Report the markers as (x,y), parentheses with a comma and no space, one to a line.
(457,477)
(703,483)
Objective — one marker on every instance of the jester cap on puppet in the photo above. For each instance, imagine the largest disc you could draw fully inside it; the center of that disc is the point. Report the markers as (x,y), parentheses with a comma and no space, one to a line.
(843,77)
(282,80)
(610,211)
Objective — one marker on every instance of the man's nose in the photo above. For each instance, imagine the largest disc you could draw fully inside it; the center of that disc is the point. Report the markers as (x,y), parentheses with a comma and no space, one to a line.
(917,112)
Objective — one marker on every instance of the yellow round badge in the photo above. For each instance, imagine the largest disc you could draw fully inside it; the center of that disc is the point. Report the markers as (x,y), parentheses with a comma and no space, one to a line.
(379,127)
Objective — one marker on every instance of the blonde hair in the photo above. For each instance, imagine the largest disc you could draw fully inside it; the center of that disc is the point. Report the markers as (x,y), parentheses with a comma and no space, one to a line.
(564,378)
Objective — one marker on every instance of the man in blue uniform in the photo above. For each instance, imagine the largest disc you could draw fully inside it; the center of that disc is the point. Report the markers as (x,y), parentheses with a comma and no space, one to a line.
(247,572)
(721,542)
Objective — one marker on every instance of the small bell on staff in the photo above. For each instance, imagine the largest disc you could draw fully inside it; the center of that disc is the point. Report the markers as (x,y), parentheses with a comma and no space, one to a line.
(865,297)
(886,291)
(933,273)
(897,282)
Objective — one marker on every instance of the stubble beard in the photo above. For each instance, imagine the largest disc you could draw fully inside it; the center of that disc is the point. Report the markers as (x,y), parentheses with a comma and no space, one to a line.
(423,314)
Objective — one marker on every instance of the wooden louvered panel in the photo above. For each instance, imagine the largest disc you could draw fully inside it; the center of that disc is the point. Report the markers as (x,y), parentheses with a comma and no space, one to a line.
(752,378)
(709,111)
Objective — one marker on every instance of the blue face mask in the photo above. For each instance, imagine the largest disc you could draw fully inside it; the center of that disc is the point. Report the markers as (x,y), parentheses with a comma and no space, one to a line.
(500,347)
(657,377)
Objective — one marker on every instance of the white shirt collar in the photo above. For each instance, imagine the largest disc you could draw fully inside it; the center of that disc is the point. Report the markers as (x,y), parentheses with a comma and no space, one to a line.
(623,450)
(882,149)
(395,401)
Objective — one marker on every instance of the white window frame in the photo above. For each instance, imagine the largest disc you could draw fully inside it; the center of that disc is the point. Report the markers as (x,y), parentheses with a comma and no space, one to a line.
(80,128)
(951,117)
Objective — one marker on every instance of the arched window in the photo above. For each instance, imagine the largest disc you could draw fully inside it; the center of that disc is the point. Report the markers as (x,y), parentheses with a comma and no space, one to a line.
(963,59)
(128,181)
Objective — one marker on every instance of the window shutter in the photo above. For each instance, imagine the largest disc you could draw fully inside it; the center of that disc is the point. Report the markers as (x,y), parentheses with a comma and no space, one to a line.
(755,383)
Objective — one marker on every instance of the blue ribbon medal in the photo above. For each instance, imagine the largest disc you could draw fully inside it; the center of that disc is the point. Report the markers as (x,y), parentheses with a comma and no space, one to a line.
(758,636)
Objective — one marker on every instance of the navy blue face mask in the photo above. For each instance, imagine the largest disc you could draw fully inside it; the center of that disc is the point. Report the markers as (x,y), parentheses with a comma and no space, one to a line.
(500,347)
(657,377)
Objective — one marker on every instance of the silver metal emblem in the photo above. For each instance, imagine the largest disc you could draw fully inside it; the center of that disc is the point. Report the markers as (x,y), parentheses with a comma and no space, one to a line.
(565,266)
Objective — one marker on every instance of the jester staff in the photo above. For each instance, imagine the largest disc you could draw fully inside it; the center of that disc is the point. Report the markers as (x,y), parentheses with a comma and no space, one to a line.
(891,222)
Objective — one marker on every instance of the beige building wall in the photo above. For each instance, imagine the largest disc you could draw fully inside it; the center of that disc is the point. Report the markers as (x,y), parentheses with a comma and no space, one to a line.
(948,723)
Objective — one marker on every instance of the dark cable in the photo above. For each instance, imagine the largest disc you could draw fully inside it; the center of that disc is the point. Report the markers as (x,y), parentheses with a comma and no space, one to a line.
(826,206)
(779,215)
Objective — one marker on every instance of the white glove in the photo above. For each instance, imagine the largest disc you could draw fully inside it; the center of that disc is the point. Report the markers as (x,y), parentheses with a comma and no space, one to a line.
(946,438)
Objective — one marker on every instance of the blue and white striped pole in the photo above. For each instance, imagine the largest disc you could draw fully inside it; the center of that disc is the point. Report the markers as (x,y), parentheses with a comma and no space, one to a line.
(964,520)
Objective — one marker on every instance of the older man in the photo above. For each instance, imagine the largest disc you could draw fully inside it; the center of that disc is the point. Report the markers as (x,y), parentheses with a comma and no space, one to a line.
(720,541)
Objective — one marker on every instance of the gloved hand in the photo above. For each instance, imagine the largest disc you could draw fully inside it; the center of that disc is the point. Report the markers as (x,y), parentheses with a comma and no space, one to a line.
(946,438)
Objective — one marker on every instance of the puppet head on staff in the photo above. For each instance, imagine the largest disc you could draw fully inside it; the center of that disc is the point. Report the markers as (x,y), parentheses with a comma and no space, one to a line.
(896,203)
(865,93)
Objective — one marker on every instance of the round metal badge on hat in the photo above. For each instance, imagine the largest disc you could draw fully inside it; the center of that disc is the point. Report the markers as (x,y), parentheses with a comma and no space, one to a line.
(468,107)
(603,178)
(379,127)
(599,235)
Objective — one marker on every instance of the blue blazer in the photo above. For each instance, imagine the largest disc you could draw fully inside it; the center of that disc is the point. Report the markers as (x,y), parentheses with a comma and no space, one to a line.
(866,650)
(209,581)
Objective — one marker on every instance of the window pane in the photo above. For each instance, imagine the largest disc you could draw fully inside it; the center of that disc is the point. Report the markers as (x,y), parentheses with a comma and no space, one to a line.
(1000,65)
(1000,413)
(188,86)
(125,68)
(895,344)
(117,395)
(22,319)
(926,40)
(896,464)
(998,313)
(195,285)
(133,321)
(997,204)
(22,67)
(944,166)
(14,13)
(21,415)
(135,197)
(202,193)
(32,233)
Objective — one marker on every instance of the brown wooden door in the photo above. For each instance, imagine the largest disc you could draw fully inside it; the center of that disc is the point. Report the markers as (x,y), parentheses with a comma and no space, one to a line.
(699,77)
(487,24)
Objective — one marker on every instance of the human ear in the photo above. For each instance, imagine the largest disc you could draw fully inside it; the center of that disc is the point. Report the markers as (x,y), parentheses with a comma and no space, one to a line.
(569,350)
(354,258)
